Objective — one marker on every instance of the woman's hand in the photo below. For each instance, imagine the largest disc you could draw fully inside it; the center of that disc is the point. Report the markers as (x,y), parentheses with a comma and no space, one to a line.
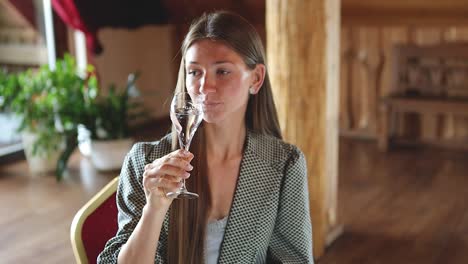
(164,175)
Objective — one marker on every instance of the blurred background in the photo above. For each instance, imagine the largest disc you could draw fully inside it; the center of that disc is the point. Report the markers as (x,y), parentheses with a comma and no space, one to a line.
(401,117)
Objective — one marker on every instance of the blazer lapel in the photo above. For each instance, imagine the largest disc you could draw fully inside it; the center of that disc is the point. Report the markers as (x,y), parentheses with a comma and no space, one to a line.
(256,184)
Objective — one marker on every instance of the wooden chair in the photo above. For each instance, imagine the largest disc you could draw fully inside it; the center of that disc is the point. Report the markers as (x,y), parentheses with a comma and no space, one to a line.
(94,224)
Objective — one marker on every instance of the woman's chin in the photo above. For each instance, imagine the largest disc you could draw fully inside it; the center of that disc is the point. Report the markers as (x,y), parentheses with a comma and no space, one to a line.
(212,118)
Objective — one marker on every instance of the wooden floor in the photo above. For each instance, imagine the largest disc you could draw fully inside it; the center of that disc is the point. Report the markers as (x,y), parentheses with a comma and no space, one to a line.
(407,206)
(36,213)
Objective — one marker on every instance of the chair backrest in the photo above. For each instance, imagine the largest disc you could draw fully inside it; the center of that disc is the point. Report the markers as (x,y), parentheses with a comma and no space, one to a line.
(94,224)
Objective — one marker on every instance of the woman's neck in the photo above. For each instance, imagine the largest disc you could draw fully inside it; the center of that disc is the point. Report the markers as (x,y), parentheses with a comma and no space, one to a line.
(225,142)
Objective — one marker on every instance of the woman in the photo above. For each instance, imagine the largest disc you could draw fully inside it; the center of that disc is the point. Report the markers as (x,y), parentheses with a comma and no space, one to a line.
(253,204)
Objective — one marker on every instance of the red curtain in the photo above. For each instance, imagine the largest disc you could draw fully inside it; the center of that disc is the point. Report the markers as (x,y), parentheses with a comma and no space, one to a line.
(69,13)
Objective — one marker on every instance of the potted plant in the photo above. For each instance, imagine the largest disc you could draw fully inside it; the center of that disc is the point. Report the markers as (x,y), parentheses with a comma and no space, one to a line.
(50,105)
(110,134)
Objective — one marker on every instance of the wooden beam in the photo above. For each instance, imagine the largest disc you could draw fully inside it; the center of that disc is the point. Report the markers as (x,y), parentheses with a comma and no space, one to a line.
(377,17)
(303,59)
(404,12)
(407,4)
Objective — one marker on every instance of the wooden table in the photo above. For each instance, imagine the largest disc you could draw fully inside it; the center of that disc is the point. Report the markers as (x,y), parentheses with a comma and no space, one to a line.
(392,106)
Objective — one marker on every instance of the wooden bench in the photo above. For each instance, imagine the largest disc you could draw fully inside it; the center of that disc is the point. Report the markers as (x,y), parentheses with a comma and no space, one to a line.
(431,80)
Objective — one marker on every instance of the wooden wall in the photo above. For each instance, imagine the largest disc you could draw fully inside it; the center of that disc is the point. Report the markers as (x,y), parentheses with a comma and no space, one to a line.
(146,49)
(366,46)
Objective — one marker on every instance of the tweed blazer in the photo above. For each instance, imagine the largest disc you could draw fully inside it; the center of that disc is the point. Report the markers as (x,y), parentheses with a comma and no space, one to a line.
(269,220)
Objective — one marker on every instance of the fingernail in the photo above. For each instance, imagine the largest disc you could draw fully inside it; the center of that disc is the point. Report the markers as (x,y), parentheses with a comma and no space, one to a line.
(189,167)
(186,175)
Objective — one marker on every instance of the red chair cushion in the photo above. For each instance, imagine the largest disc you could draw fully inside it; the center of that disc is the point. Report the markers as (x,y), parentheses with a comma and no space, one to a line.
(99,227)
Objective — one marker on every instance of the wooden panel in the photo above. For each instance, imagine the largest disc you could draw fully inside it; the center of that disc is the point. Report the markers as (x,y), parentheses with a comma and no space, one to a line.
(459,125)
(391,36)
(370,58)
(455,34)
(428,36)
(355,80)
(346,121)
(147,49)
(362,62)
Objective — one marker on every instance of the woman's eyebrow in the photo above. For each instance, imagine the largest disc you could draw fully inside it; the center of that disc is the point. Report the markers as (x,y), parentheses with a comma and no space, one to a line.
(215,63)
(222,62)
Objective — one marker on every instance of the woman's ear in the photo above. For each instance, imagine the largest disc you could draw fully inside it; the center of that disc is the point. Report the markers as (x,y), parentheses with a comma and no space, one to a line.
(258,76)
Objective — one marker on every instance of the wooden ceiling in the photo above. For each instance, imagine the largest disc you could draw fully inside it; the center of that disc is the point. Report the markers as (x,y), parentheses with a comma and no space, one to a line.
(14,28)
(183,11)
(425,12)
(10,18)
(420,12)
(407,4)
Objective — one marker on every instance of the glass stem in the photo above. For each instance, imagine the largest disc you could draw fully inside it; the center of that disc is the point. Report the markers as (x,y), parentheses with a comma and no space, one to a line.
(186,148)
(183,185)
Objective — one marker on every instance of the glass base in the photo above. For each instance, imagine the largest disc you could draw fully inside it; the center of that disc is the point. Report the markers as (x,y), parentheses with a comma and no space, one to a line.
(182,194)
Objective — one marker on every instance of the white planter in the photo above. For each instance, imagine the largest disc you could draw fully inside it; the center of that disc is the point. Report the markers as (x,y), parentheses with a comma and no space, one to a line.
(109,154)
(39,164)
(84,140)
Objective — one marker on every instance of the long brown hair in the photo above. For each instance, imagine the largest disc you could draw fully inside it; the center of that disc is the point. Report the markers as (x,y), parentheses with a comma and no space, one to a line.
(188,218)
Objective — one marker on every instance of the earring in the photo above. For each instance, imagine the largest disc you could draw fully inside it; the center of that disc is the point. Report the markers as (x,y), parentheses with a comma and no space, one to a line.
(251,90)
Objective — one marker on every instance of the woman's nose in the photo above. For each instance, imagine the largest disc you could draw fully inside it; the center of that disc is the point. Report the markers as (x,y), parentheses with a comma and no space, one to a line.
(207,85)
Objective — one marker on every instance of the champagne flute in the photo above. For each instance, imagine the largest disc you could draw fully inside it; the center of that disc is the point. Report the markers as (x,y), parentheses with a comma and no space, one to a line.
(186,115)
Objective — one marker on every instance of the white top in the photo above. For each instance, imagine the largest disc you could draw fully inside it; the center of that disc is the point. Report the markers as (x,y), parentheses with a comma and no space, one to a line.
(214,238)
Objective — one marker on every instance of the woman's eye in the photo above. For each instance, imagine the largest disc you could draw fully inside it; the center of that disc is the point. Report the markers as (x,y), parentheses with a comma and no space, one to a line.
(223,72)
(193,72)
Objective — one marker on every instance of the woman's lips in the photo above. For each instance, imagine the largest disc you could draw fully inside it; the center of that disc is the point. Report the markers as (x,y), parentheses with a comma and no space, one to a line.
(210,105)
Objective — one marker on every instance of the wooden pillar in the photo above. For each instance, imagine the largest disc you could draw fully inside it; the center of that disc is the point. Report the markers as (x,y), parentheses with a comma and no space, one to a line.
(303,61)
